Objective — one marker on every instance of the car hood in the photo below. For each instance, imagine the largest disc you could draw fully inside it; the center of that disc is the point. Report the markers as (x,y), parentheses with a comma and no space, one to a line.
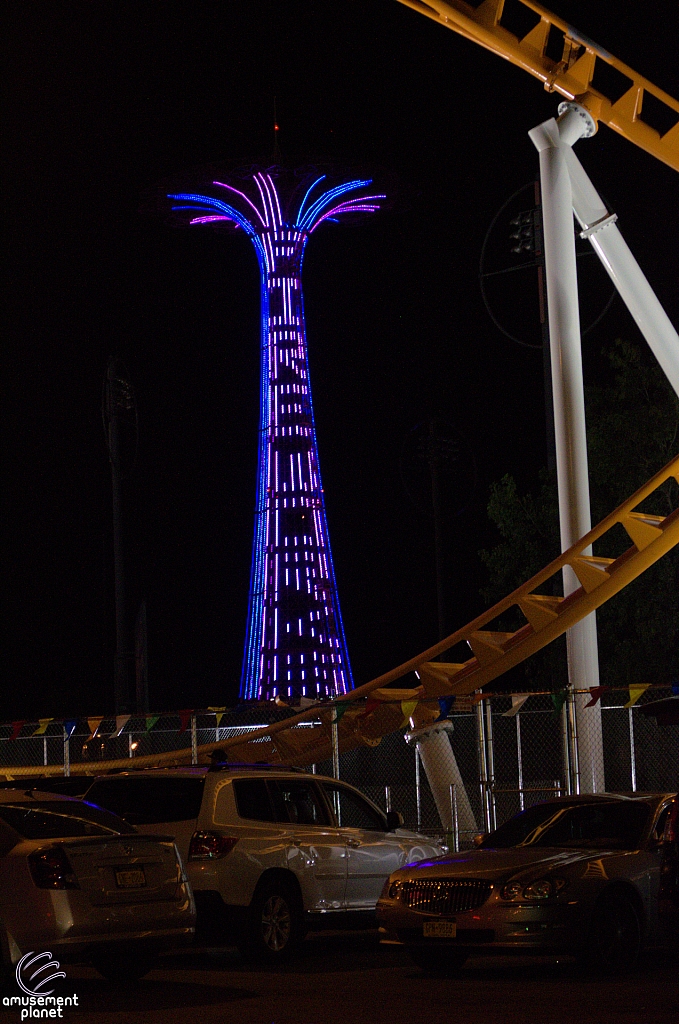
(496,865)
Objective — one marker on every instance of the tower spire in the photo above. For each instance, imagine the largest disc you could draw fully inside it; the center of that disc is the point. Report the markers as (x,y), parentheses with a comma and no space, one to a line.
(276,129)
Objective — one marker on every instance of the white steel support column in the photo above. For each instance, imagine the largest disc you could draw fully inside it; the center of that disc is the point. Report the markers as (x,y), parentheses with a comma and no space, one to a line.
(552,141)
(599,227)
(440,764)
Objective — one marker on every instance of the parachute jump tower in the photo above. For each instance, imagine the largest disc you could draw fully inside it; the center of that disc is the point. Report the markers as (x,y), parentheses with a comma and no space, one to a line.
(295,645)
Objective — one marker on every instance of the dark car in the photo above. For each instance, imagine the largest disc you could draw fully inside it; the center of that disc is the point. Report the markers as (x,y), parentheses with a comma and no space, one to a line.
(595,876)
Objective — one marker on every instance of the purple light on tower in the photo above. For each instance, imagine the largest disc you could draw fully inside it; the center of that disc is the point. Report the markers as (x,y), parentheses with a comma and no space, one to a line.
(295,642)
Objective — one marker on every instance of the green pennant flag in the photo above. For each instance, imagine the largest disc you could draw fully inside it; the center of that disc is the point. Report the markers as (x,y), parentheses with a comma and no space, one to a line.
(558,700)
(339,711)
(151,721)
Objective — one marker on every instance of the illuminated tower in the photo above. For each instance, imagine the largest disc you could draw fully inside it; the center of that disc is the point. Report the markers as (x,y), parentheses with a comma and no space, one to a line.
(295,642)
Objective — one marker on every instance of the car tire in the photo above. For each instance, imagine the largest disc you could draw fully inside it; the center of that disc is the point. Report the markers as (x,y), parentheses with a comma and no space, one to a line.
(444,962)
(124,968)
(615,938)
(275,923)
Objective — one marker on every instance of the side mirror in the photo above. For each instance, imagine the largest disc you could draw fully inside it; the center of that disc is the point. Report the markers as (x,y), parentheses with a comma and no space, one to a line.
(394,820)
(479,839)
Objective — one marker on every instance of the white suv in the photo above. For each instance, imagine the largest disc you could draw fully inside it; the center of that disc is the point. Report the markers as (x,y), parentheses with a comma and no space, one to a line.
(270,852)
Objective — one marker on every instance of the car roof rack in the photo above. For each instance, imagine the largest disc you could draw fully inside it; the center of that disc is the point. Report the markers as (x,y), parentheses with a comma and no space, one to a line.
(235,766)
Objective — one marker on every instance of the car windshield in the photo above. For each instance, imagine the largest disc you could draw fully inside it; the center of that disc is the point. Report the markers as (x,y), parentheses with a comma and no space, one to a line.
(611,826)
(61,819)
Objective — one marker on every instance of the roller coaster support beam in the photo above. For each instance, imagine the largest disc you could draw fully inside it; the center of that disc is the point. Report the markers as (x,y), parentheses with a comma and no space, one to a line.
(599,226)
(586,769)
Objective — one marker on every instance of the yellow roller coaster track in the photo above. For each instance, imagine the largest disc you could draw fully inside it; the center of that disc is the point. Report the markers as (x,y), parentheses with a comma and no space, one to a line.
(573,75)
(546,618)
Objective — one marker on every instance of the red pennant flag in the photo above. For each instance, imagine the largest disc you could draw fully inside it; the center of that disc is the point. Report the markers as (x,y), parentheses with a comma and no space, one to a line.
(16,729)
(595,696)
(370,706)
(184,719)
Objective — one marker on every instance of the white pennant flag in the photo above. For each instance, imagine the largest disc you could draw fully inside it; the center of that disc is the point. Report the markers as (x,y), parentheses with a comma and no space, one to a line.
(121,722)
(518,700)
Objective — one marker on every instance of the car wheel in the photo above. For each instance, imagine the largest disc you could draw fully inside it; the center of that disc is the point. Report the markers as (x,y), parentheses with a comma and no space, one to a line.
(275,923)
(615,935)
(124,968)
(438,961)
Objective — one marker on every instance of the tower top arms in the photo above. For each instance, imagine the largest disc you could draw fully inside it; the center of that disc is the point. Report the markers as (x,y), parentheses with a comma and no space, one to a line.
(269,209)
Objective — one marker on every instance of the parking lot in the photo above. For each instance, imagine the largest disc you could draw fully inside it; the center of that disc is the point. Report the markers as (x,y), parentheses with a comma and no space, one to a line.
(347,978)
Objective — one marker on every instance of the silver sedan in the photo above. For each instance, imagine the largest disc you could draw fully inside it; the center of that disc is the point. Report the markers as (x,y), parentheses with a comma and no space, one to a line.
(81,883)
(597,876)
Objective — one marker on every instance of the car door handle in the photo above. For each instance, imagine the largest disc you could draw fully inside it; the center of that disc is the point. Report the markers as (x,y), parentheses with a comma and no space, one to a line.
(353,842)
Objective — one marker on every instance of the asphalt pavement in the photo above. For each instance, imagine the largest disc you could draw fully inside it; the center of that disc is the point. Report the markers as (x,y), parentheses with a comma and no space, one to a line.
(347,978)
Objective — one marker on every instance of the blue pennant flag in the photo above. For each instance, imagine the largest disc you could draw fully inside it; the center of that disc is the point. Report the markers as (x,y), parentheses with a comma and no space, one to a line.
(445,704)
(69,727)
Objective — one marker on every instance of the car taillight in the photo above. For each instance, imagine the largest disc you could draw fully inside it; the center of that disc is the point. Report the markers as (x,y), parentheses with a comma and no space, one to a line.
(210,845)
(51,869)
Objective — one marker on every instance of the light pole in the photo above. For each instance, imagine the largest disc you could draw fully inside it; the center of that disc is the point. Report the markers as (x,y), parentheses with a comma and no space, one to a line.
(118,405)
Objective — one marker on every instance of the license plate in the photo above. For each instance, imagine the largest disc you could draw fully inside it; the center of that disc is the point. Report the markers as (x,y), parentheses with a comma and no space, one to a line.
(132,879)
(440,929)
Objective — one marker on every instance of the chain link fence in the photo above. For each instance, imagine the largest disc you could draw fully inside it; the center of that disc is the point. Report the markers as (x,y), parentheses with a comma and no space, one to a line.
(505,762)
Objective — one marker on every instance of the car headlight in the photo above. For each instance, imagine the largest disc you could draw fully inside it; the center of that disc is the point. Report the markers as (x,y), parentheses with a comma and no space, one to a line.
(541,889)
(390,890)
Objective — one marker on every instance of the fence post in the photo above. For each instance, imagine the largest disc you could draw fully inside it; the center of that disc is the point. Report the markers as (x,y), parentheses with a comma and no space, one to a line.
(454,818)
(573,742)
(44,750)
(67,752)
(194,741)
(519,758)
(483,769)
(566,751)
(387,797)
(335,751)
(418,791)
(632,752)
(491,765)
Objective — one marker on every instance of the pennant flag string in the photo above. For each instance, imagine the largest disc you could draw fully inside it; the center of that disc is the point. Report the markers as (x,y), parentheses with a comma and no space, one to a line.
(340,710)
(595,696)
(218,713)
(635,692)
(407,708)
(151,721)
(93,725)
(70,727)
(518,700)
(42,727)
(16,729)
(558,700)
(445,704)
(184,719)
(121,722)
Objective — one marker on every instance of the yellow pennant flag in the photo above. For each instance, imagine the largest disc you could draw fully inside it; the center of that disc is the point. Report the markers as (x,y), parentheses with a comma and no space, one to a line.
(42,728)
(93,725)
(635,692)
(219,714)
(407,708)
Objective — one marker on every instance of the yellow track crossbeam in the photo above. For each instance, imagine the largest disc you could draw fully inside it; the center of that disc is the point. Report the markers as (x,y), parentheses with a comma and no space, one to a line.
(572,75)
(305,738)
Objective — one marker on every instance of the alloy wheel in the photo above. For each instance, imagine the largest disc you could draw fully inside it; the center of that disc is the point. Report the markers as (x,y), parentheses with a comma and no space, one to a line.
(276,924)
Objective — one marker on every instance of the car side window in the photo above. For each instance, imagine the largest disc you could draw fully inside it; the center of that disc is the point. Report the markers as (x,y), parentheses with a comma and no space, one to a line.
(149,800)
(252,799)
(298,803)
(352,810)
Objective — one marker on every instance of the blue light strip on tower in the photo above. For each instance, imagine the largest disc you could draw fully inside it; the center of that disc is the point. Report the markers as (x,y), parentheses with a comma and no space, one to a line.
(295,643)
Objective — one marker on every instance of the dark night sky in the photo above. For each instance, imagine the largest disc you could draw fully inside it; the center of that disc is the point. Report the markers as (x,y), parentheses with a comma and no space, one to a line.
(107,99)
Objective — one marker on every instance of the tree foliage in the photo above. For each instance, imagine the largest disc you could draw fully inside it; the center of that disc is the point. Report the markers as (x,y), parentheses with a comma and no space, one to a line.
(632,431)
